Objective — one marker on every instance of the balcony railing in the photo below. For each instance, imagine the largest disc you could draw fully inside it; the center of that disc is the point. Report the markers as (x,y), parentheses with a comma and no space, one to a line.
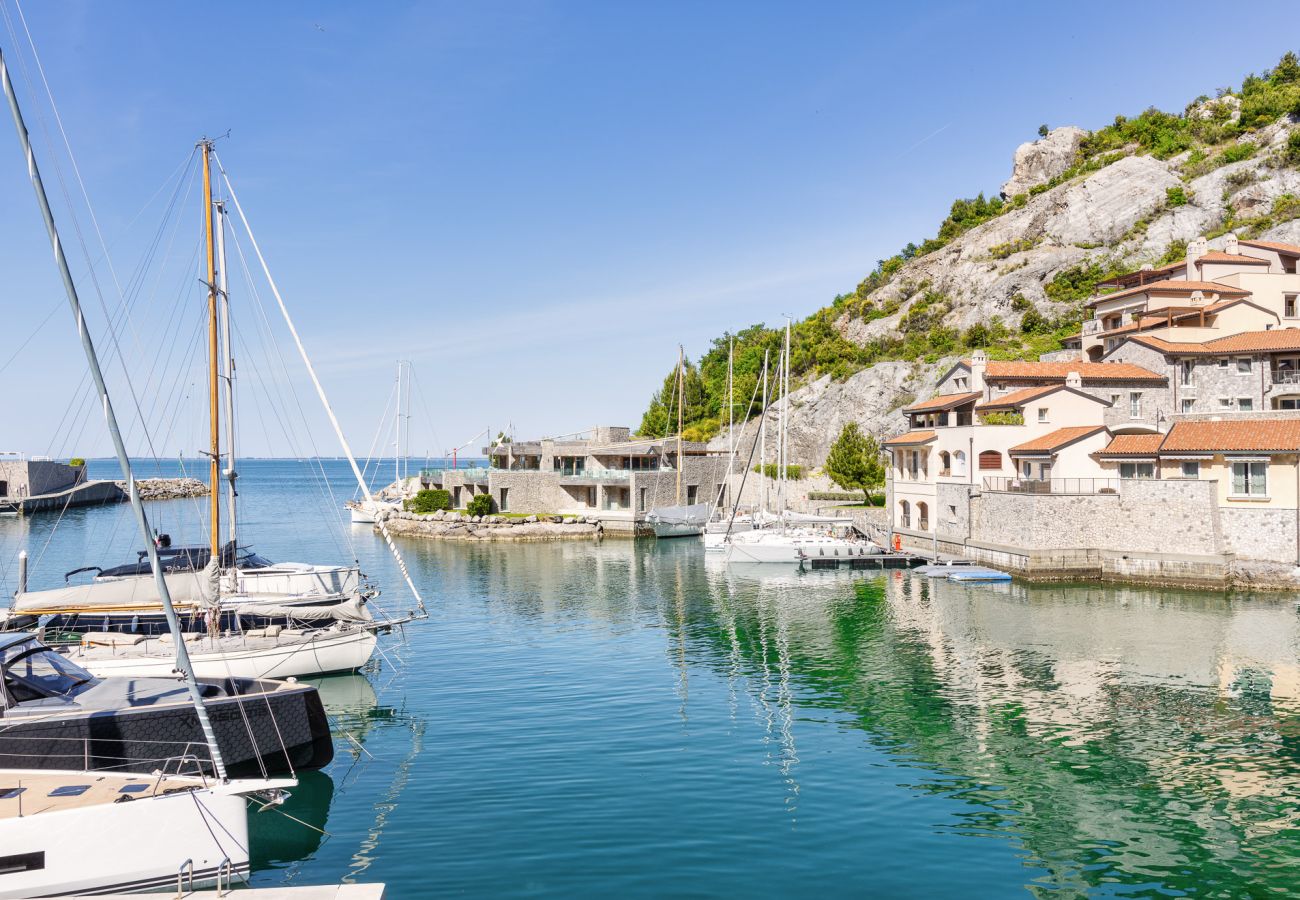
(1003,485)
(924,524)
(1091,326)
(1286,376)
(598,474)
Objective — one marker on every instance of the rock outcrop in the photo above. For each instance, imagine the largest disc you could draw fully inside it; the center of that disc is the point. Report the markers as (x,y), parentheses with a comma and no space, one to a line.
(1038,162)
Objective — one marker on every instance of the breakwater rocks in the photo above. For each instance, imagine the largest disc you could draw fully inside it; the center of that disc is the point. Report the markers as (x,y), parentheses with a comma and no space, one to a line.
(460,527)
(168,488)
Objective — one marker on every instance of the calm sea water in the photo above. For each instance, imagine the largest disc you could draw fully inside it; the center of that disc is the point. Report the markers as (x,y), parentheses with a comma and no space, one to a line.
(627,719)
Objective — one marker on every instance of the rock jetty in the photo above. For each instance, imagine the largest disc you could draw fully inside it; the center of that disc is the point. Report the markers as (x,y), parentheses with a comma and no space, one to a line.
(168,488)
(460,527)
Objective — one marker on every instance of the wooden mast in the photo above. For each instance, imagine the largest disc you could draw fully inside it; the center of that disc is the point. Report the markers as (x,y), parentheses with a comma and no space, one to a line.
(214,449)
(681,401)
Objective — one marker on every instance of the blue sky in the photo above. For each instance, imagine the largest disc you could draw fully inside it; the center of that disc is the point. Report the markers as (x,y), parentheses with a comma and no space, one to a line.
(536,202)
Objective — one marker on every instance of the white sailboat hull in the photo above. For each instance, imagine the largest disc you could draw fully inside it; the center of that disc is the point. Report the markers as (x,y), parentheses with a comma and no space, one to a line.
(792,548)
(107,846)
(299,655)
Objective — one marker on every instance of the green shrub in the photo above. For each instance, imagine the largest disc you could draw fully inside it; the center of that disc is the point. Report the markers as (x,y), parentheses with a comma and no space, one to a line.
(1175,196)
(772,470)
(1173,253)
(76,462)
(1009,417)
(1292,152)
(1034,322)
(428,501)
(1235,153)
(1002,251)
(481,505)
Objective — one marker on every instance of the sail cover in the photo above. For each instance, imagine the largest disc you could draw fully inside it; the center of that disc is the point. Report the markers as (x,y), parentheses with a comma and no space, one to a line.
(697,514)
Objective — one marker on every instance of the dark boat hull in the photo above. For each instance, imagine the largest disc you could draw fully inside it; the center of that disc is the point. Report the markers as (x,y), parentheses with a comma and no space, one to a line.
(262,728)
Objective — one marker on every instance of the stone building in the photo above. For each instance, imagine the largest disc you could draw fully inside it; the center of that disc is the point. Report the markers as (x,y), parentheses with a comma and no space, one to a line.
(609,476)
(23,478)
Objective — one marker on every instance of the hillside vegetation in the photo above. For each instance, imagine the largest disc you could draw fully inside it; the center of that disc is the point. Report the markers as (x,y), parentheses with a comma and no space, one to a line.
(1011,274)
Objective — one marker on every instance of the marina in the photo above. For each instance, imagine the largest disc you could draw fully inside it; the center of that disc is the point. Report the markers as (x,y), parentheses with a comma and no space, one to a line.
(974,575)
(630,700)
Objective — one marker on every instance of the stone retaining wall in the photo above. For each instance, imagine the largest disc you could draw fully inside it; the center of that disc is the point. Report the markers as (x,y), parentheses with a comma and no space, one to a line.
(459,527)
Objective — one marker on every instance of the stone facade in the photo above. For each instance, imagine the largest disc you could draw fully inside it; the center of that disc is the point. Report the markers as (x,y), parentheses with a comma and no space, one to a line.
(29,478)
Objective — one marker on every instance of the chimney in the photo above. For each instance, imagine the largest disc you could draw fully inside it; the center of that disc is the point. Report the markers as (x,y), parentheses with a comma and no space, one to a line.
(1231,246)
(1072,380)
(979,362)
(1195,250)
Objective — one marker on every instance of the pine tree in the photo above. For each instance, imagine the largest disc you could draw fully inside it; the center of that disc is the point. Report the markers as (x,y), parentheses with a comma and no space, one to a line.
(854,461)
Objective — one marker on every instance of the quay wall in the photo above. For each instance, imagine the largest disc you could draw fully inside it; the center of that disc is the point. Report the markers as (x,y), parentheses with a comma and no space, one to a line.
(1157,531)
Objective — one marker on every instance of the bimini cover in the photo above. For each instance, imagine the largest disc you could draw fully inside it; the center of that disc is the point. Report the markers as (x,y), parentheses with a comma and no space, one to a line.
(697,514)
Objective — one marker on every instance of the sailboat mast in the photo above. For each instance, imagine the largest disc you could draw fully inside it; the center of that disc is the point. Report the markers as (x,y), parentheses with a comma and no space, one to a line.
(214,415)
(228,362)
(681,402)
(110,419)
(397,428)
(762,439)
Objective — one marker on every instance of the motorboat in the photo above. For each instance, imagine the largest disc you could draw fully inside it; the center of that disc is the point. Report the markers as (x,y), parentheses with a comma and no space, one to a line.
(54,714)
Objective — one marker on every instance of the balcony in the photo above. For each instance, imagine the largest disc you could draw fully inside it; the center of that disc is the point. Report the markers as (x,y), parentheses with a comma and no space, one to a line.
(1091,326)
(923,524)
(1060,486)
(1289,377)
(588,476)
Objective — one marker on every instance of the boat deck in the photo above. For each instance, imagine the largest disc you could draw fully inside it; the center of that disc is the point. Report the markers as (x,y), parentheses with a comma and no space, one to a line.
(30,792)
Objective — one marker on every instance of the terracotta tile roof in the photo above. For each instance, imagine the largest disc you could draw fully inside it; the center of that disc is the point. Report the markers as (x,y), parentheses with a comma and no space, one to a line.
(1143,273)
(1218,256)
(911,438)
(1245,342)
(1016,399)
(942,402)
(1173,287)
(1288,249)
(1057,371)
(1053,441)
(1132,445)
(1260,435)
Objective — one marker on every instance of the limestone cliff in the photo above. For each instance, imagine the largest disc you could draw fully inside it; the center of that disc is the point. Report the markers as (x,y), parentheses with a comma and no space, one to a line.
(1065,212)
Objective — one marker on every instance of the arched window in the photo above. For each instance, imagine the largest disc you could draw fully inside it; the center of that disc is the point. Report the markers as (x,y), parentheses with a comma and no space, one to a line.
(990,460)
(945,463)
(905,510)
(959,464)
(923,516)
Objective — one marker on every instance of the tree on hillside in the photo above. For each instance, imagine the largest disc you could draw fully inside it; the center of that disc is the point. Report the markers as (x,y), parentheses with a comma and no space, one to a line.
(660,418)
(1042,131)
(854,462)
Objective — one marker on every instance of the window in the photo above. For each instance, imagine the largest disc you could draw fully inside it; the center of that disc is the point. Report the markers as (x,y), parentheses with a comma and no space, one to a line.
(905,517)
(1135,405)
(1191,469)
(990,459)
(1287,403)
(1137,470)
(1187,404)
(961,384)
(1027,468)
(1114,399)
(1243,365)
(952,512)
(914,464)
(1042,413)
(959,463)
(1288,306)
(641,502)
(504,503)
(1186,368)
(945,463)
(1225,403)
(1250,479)
(1245,404)
(692,494)
(1223,362)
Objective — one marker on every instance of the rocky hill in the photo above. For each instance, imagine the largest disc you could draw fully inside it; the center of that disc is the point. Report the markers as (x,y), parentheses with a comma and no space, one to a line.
(1012,273)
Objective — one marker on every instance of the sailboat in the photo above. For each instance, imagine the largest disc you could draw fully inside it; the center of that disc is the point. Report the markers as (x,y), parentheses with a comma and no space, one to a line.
(789,537)
(71,832)
(678,520)
(221,587)
(364,512)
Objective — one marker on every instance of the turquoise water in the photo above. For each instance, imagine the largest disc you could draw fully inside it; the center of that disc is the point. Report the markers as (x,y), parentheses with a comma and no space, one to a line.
(627,719)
